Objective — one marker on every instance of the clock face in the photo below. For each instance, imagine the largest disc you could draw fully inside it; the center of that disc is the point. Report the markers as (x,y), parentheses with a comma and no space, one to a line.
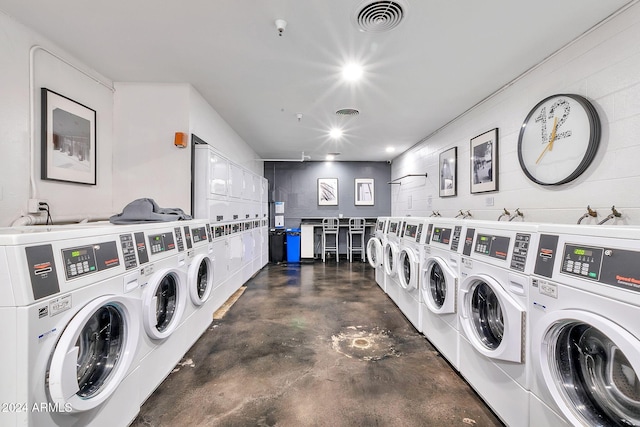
(558,139)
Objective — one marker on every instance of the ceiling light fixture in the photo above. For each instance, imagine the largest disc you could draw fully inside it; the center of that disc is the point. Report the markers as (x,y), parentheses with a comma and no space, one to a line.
(330,157)
(352,72)
(335,133)
(390,149)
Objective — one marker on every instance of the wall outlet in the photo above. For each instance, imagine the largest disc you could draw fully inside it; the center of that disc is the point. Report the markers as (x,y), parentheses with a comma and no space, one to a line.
(34,205)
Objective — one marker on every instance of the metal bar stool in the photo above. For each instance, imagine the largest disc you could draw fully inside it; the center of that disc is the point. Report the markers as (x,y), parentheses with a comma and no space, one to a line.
(356,228)
(330,227)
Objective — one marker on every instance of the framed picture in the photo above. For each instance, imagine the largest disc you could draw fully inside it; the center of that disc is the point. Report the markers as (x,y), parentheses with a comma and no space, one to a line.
(68,140)
(364,192)
(484,162)
(448,172)
(328,191)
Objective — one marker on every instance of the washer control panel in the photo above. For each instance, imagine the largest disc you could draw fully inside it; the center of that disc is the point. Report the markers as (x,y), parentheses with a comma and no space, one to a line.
(162,242)
(83,260)
(582,261)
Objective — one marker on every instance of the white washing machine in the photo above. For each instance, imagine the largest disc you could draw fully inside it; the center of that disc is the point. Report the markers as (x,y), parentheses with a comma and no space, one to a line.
(200,273)
(375,249)
(410,262)
(390,257)
(585,334)
(497,259)
(163,262)
(439,287)
(71,324)
(220,264)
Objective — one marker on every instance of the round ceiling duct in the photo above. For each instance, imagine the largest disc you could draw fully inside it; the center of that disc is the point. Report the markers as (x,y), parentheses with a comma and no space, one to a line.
(347,112)
(379,16)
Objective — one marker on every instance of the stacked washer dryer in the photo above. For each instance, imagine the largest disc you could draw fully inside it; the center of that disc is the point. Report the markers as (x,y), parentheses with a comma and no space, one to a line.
(497,258)
(390,257)
(409,269)
(70,315)
(439,287)
(375,249)
(585,334)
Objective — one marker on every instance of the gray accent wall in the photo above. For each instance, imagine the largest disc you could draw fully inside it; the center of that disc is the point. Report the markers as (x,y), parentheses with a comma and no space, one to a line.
(296,184)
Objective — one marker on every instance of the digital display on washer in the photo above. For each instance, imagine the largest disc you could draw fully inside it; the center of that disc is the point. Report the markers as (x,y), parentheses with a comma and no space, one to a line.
(582,261)
(393,227)
(441,235)
(410,230)
(198,234)
(83,260)
(493,246)
(161,243)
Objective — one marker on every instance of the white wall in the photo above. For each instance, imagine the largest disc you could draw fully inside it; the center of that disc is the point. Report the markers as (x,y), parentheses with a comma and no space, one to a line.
(66,200)
(603,66)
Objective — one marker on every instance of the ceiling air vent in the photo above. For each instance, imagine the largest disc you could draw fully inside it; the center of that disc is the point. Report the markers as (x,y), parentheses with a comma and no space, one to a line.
(379,16)
(347,112)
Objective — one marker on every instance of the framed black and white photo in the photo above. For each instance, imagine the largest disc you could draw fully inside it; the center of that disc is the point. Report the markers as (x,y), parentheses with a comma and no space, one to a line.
(68,144)
(364,192)
(484,162)
(328,191)
(448,172)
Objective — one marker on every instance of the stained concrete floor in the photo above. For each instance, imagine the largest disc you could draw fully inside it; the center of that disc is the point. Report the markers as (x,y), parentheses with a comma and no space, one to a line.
(314,345)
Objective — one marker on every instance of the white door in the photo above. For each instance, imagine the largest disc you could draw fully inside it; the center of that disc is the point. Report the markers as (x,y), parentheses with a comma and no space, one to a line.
(438,286)
(408,269)
(491,319)
(163,303)
(598,359)
(94,353)
(200,279)
(390,259)
(374,252)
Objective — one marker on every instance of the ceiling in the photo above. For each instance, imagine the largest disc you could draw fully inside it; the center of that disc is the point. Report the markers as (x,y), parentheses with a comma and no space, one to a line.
(443,57)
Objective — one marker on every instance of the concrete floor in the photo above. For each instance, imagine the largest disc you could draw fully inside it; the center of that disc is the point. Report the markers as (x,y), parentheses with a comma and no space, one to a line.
(314,345)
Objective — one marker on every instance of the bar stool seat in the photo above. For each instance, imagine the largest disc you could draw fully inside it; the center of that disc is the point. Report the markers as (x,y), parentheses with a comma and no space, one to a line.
(330,227)
(356,228)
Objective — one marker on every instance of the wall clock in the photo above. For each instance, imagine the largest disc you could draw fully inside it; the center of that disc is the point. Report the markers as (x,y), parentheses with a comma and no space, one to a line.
(558,139)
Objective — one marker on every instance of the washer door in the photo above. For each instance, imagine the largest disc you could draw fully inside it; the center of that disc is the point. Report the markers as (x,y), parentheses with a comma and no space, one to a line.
(163,303)
(390,259)
(200,279)
(94,353)
(491,319)
(409,269)
(591,367)
(439,284)
(374,252)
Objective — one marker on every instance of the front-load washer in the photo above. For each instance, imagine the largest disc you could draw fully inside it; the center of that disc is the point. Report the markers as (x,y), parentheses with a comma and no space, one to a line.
(410,262)
(585,335)
(199,280)
(439,287)
(375,249)
(71,323)
(162,256)
(390,257)
(492,310)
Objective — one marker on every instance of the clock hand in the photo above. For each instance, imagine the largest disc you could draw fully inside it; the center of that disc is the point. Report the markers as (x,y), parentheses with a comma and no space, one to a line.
(550,144)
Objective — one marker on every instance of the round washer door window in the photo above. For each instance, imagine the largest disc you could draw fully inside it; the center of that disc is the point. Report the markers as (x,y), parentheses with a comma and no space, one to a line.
(390,259)
(374,252)
(163,303)
(486,316)
(594,370)
(94,353)
(408,269)
(200,279)
(435,286)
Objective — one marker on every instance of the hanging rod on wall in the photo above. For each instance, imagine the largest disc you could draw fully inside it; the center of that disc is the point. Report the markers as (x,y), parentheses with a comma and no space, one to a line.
(406,176)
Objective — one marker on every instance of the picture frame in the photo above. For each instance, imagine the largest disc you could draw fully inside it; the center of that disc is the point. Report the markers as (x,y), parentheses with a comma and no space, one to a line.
(448,169)
(364,192)
(328,191)
(484,162)
(68,145)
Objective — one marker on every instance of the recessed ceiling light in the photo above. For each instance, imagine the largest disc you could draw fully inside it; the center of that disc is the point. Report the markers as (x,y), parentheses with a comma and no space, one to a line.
(352,72)
(335,133)
(330,157)
(390,149)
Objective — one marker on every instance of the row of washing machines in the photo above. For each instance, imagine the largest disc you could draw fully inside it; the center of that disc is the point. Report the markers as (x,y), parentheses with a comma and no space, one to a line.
(542,320)
(94,317)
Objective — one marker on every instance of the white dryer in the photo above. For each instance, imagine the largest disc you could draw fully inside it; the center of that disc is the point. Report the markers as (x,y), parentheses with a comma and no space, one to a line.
(497,258)
(390,257)
(439,287)
(71,323)
(585,335)
(410,262)
(200,273)
(375,249)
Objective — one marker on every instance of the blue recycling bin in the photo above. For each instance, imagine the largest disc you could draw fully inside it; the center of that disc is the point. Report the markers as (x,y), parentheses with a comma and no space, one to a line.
(293,245)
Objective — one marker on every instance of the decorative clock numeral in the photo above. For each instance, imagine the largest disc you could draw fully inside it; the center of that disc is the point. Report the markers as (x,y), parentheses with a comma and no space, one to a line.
(542,117)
